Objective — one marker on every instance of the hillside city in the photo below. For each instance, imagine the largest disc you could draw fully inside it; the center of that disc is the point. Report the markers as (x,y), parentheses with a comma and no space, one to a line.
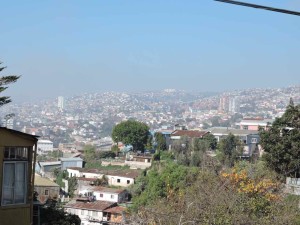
(89,118)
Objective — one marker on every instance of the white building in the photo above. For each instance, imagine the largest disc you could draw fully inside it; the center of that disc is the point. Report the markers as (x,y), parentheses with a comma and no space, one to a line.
(105,194)
(60,102)
(123,178)
(44,147)
(90,213)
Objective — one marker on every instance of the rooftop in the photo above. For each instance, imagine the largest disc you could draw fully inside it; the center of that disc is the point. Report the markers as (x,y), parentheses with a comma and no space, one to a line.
(71,159)
(40,181)
(94,206)
(226,131)
(189,133)
(119,172)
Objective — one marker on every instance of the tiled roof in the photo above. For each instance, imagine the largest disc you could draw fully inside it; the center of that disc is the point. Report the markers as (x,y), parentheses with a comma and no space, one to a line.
(95,206)
(189,133)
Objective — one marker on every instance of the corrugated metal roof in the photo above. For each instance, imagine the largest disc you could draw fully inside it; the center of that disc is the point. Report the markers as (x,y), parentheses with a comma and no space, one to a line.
(94,206)
(40,181)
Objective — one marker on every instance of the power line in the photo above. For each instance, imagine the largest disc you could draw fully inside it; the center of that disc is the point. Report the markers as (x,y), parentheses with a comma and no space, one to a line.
(260,7)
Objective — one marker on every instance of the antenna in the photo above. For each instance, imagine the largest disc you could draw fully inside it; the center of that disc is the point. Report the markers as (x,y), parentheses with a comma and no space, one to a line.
(260,7)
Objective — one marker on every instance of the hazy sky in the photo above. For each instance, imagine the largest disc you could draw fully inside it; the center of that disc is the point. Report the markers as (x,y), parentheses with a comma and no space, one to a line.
(65,47)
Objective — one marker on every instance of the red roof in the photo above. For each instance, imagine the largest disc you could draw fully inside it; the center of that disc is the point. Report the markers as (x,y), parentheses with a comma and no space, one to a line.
(95,206)
(189,133)
(116,209)
(107,190)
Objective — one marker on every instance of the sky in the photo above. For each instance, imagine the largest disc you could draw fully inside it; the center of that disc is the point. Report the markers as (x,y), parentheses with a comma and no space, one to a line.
(72,47)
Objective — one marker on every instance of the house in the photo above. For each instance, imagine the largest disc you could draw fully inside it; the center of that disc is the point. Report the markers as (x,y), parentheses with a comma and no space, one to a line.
(17,159)
(123,178)
(250,138)
(255,123)
(115,215)
(71,162)
(44,147)
(45,169)
(89,212)
(46,189)
(105,194)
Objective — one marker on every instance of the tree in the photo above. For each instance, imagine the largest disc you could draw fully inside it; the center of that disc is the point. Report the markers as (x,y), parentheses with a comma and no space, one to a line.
(229,149)
(281,143)
(212,141)
(160,141)
(4,81)
(131,132)
(53,215)
(89,152)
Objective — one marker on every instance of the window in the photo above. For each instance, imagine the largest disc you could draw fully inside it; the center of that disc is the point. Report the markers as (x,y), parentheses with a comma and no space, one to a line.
(253,140)
(118,180)
(82,212)
(16,153)
(115,215)
(101,195)
(112,196)
(14,187)
(95,213)
(128,181)
(46,192)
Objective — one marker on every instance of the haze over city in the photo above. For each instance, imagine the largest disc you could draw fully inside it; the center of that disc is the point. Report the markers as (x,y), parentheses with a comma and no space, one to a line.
(70,47)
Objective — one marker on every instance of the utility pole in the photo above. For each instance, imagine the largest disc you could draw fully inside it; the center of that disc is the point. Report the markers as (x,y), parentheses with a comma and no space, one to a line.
(260,7)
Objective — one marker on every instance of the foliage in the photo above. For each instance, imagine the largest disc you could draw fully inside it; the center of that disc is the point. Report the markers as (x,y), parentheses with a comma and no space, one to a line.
(72,182)
(105,154)
(89,152)
(216,199)
(54,216)
(131,132)
(115,149)
(4,81)
(160,141)
(103,181)
(162,181)
(211,140)
(60,175)
(281,143)
(230,149)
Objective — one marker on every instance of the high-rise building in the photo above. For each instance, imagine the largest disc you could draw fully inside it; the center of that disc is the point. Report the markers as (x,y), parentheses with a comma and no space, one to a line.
(60,102)
(233,105)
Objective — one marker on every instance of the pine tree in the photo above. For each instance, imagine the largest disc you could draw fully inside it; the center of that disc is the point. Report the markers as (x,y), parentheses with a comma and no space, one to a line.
(4,81)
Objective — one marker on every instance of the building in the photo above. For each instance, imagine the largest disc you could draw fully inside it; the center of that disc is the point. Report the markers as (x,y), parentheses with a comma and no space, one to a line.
(46,189)
(45,169)
(17,158)
(8,123)
(104,193)
(115,215)
(44,147)
(250,138)
(255,123)
(71,162)
(89,212)
(60,102)
(123,178)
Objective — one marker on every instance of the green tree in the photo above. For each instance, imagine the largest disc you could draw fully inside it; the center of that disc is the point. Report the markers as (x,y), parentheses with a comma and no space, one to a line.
(230,148)
(4,81)
(55,216)
(211,140)
(160,141)
(131,132)
(281,143)
(89,153)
